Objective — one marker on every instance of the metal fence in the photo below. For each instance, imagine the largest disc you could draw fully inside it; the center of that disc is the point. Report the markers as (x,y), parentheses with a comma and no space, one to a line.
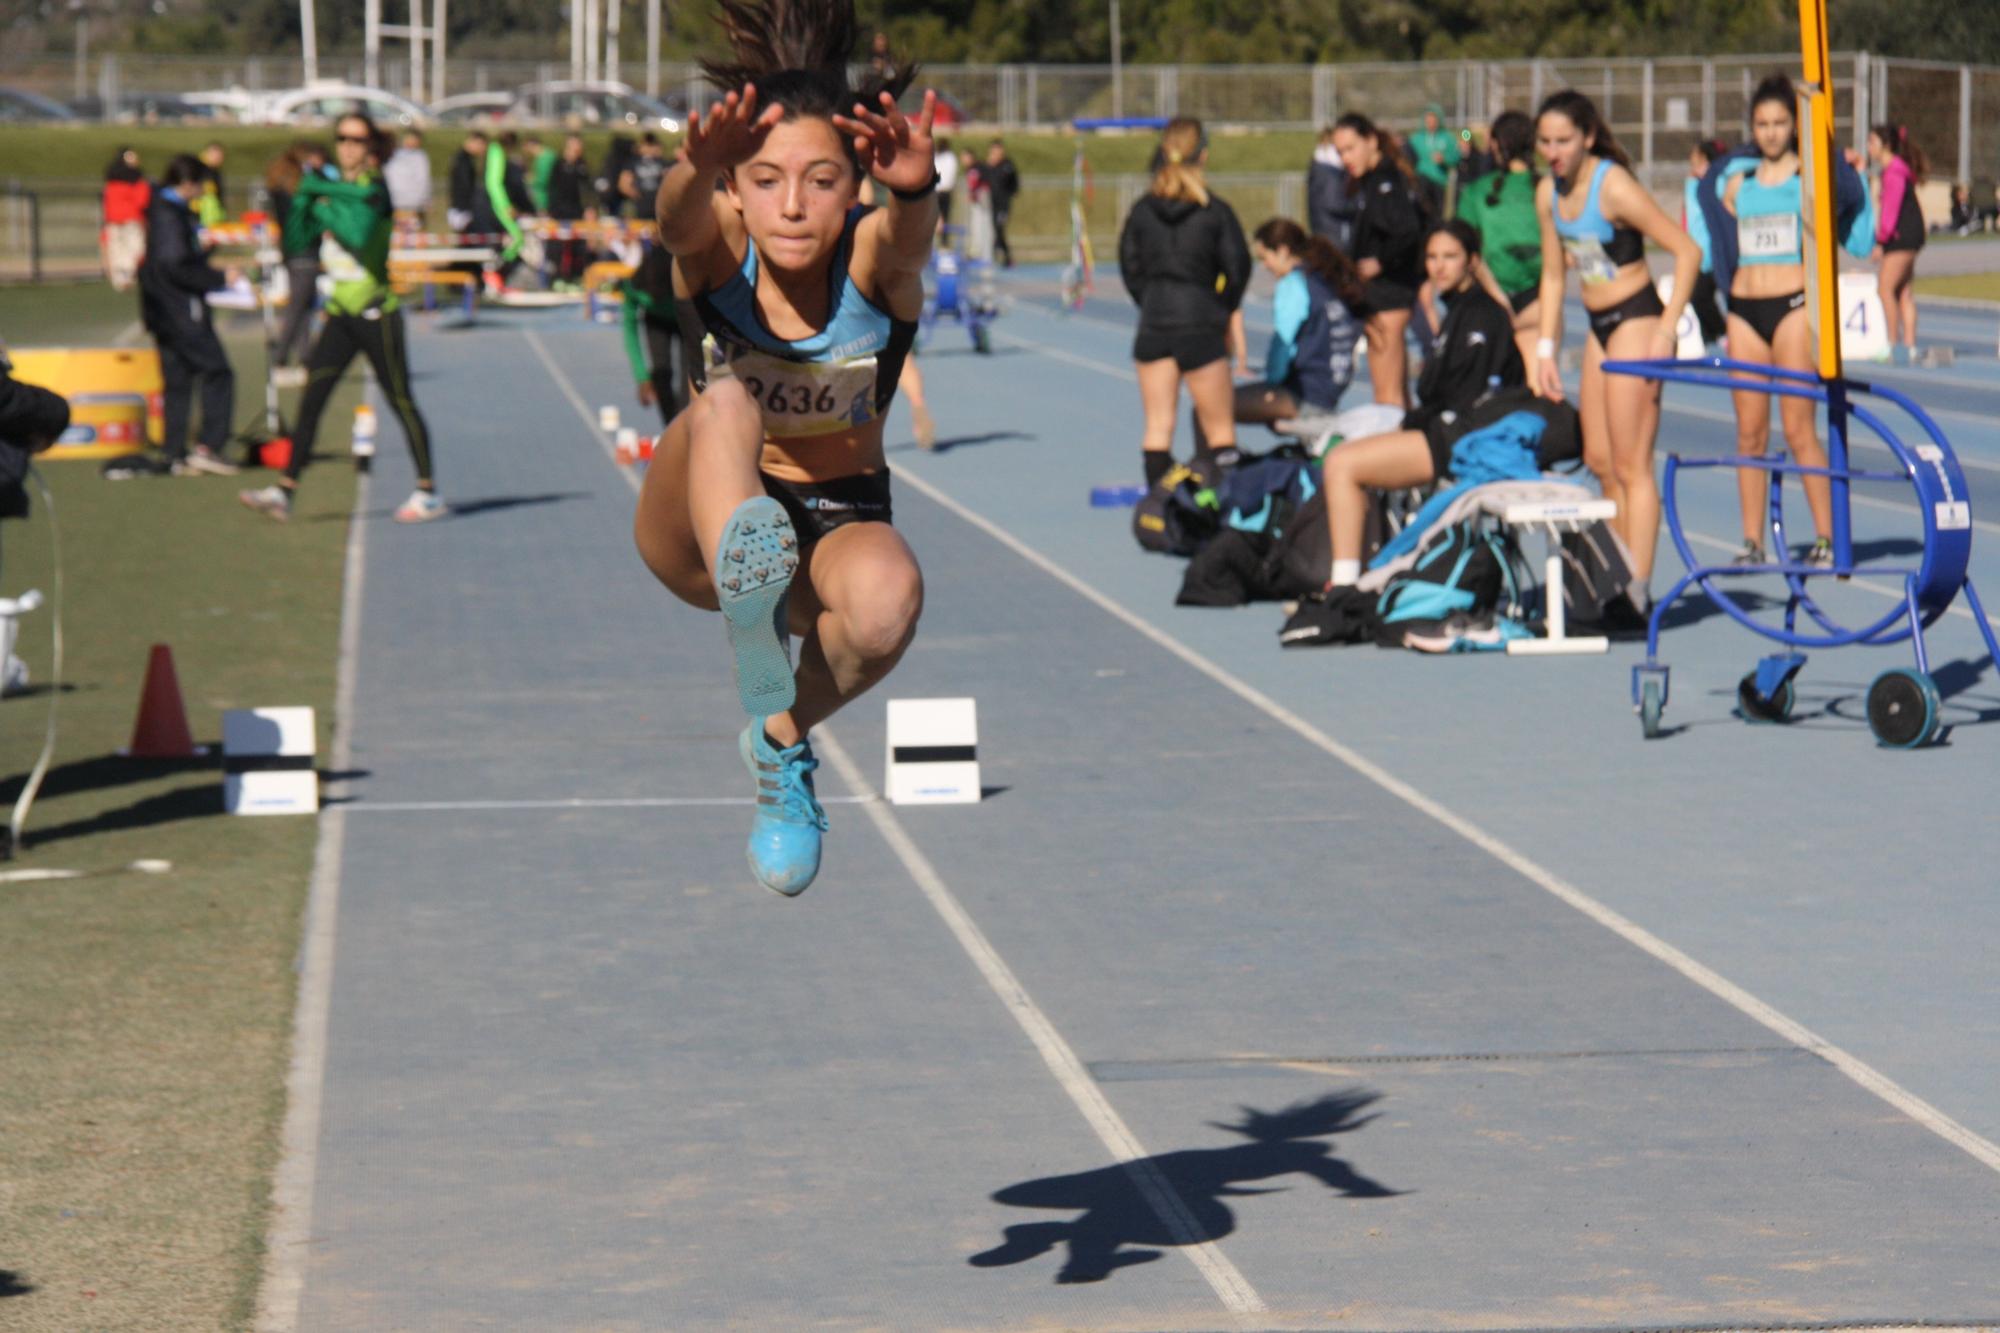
(1657,106)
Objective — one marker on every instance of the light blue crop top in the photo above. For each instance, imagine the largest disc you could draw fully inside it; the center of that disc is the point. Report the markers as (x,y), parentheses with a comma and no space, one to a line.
(1768,222)
(1599,248)
(839,378)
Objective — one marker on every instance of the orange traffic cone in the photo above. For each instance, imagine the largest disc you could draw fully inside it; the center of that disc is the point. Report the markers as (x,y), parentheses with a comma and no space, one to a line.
(161,731)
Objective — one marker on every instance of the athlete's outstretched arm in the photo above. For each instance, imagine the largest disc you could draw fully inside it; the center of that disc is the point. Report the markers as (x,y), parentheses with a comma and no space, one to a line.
(898,154)
(727,136)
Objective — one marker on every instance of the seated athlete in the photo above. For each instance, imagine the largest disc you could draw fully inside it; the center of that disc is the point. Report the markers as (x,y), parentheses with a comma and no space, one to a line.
(1475,356)
(768,498)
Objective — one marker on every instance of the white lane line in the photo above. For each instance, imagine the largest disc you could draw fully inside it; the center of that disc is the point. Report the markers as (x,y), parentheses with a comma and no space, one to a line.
(1223,1277)
(287,1236)
(572,803)
(1881,1085)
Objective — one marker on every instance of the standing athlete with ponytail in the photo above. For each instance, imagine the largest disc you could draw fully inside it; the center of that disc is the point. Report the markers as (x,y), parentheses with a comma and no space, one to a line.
(1596,218)
(1501,208)
(1388,247)
(1899,232)
(768,498)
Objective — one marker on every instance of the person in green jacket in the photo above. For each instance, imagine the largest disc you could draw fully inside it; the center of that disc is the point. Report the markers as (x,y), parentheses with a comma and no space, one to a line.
(1435,151)
(1501,208)
(541,161)
(506,195)
(350,220)
(653,333)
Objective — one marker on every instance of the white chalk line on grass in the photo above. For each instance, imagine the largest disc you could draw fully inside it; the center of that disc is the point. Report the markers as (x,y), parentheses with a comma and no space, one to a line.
(1881,1085)
(1223,1277)
(287,1236)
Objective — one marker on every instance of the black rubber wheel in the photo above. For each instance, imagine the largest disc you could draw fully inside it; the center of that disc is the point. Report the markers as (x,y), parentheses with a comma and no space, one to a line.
(1651,705)
(1903,709)
(1756,708)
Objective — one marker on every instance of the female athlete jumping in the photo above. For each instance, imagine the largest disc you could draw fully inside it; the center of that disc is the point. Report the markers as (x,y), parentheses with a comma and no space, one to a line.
(768,498)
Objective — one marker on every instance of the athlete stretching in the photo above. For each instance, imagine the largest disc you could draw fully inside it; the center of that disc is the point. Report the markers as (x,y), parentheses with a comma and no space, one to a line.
(768,497)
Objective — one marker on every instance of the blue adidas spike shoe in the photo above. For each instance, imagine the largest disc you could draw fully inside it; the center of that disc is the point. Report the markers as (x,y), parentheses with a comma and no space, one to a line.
(753,573)
(785,835)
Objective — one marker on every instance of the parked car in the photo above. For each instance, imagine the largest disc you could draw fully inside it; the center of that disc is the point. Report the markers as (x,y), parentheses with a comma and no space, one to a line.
(235,104)
(324,103)
(473,108)
(142,109)
(596,105)
(18,106)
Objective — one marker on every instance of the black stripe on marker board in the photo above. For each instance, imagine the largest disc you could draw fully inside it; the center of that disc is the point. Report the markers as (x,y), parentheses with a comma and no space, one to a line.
(936,754)
(266,763)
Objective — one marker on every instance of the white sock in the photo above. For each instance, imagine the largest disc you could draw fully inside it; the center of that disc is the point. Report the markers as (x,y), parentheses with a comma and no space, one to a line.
(1346,572)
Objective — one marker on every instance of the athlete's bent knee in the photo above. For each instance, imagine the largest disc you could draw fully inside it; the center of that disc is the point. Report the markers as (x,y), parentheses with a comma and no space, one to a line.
(882,627)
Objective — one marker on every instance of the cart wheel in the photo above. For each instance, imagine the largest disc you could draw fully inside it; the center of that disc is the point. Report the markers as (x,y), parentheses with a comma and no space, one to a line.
(1756,708)
(1651,703)
(1903,709)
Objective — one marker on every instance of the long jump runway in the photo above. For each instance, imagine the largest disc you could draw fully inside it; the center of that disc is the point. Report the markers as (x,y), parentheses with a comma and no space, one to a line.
(1290,991)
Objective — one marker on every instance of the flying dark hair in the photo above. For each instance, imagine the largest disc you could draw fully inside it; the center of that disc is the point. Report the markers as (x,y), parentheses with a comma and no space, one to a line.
(1581,112)
(1512,139)
(1459,230)
(797,53)
(1896,138)
(1778,88)
(1356,123)
(1317,253)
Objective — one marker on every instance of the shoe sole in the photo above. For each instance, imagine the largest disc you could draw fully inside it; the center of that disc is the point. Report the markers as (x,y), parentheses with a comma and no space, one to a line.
(753,574)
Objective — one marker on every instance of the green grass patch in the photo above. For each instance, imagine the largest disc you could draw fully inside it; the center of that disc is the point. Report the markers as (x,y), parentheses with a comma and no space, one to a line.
(145,1020)
(1965,286)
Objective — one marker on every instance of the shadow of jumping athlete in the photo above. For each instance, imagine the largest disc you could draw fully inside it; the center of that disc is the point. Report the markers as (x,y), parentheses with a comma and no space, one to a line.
(1116,1212)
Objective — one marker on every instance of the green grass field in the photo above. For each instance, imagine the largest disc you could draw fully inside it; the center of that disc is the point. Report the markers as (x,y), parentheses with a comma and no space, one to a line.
(1964,286)
(145,1019)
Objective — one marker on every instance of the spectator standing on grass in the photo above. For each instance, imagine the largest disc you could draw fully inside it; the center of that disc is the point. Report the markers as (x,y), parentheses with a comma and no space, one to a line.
(570,200)
(1003,179)
(653,333)
(610,178)
(1435,151)
(174,282)
(947,170)
(468,172)
(281,183)
(211,200)
(539,162)
(1183,258)
(350,221)
(640,181)
(123,240)
(1330,201)
(407,173)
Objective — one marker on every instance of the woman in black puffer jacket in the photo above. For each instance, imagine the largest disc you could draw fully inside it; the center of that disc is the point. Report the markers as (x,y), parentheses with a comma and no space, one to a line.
(1184,259)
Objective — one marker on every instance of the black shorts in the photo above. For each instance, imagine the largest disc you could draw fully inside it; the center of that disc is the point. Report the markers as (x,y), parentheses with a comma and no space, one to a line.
(818,507)
(1191,349)
(1384,297)
(1642,304)
(1765,313)
(1909,227)
(1521,300)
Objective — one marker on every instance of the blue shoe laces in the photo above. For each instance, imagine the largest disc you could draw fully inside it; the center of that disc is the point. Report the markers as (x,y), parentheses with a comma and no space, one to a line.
(791,789)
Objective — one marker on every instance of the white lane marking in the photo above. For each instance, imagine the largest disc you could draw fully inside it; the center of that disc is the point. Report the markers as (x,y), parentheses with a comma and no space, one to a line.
(1223,1276)
(583,411)
(1930,1117)
(571,803)
(1227,1281)
(287,1236)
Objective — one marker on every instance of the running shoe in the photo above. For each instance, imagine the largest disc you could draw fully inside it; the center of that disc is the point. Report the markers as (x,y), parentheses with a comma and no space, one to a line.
(202,459)
(275,501)
(1751,554)
(421,507)
(1902,355)
(753,574)
(785,833)
(1819,555)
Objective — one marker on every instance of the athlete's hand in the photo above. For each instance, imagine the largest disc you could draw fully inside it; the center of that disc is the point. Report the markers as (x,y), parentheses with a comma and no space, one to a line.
(730,132)
(1548,379)
(896,150)
(647,397)
(1665,345)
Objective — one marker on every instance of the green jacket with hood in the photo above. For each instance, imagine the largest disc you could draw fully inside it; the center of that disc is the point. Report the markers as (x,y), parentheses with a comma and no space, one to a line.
(355,215)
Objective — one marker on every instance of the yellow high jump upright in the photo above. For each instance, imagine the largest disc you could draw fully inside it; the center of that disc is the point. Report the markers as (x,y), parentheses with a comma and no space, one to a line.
(1819,167)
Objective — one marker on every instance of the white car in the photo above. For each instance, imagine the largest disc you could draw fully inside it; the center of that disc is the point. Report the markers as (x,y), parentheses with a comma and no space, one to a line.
(486,108)
(602,105)
(325,103)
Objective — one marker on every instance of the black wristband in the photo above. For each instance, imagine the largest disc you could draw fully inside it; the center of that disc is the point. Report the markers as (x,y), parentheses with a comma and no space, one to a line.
(925,192)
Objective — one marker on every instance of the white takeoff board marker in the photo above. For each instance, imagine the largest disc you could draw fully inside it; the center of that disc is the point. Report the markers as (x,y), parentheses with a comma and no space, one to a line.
(933,752)
(267,762)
